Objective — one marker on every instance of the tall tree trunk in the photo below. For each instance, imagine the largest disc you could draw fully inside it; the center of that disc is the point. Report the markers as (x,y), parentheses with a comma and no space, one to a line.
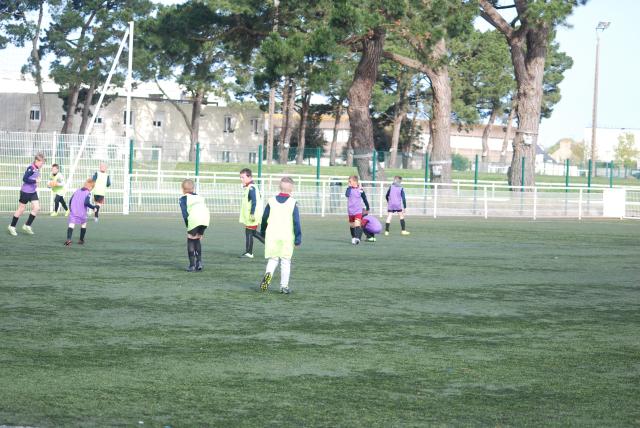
(529,71)
(334,138)
(400,111)
(37,73)
(72,102)
(528,44)
(86,108)
(195,123)
(272,109)
(505,141)
(359,96)
(485,134)
(288,105)
(302,135)
(441,119)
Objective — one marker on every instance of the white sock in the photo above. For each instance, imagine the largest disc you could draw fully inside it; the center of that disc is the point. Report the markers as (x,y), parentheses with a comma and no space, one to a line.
(285,272)
(272,264)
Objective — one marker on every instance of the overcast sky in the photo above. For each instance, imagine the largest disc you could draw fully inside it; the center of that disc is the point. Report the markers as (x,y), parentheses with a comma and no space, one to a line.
(619,70)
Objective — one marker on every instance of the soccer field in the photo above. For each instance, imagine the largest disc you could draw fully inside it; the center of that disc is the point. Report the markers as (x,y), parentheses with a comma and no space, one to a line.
(465,322)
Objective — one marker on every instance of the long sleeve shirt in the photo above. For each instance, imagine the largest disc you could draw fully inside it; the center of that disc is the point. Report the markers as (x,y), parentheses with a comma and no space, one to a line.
(297,229)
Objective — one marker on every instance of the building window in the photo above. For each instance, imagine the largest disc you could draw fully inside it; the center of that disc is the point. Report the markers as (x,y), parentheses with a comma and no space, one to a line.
(98,120)
(227,124)
(255,125)
(124,117)
(34,114)
(64,117)
(226,156)
(158,120)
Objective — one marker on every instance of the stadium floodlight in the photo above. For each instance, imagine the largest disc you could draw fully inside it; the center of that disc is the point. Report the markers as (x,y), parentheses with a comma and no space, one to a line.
(602,25)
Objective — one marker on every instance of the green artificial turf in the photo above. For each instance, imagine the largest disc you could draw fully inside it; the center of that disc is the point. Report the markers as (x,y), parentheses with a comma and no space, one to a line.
(463,323)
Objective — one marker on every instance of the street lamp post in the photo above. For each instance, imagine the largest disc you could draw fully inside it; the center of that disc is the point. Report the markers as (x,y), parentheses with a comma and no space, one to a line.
(602,25)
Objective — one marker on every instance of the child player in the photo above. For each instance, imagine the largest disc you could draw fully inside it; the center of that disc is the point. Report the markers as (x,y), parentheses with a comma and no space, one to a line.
(196,218)
(250,211)
(56,183)
(355,199)
(28,193)
(79,202)
(282,231)
(396,204)
(371,227)
(102,180)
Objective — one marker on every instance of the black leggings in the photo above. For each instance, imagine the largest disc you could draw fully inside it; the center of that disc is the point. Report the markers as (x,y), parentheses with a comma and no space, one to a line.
(59,200)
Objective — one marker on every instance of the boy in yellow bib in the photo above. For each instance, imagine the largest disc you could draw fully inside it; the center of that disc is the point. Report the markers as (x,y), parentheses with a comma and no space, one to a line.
(102,180)
(250,212)
(196,217)
(282,231)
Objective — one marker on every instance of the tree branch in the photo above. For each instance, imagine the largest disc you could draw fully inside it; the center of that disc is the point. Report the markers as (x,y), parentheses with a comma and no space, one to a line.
(407,62)
(493,17)
(175,104)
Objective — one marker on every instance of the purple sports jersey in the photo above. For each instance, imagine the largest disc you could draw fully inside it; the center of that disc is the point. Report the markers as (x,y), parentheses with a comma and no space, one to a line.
(354,201)
(31,175)
(78,214)
(395,198)
(373,226)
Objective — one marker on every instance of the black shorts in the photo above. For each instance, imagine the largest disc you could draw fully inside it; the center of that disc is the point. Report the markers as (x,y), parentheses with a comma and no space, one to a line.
(98,198)
(25,198)
(198,230)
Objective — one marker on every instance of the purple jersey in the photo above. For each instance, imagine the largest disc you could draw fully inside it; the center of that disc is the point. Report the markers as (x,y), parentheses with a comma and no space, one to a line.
(78,214)
(395,198)
(373,226)
(354,200)
(29,184)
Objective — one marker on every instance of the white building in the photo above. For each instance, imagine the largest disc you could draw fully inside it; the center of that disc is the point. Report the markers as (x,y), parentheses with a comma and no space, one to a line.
(226,133)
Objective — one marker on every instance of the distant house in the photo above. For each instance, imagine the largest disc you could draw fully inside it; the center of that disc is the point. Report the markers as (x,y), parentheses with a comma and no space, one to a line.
(227,133)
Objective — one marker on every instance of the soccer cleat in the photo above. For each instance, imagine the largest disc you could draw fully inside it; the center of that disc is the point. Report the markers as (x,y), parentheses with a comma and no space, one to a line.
(386,233)
(199,266)
(191,269)
(285,290)
(266,280)
(12,231)
(404,232)
(356,242)
(246,256)
(54,214)
(27,229)
(81,242)
(67,243)
(96,219)
(66,214)
(371,239)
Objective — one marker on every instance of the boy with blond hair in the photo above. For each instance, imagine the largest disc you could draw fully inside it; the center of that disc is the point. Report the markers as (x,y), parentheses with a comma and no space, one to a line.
(102,180)
(196,217)
(282,232)
(28,194)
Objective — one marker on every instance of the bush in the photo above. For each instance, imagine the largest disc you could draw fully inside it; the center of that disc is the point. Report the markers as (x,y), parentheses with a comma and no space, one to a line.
(459,163)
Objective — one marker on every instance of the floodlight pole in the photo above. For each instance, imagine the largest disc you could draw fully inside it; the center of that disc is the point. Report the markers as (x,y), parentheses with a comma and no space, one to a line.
(128,128)
(594,119)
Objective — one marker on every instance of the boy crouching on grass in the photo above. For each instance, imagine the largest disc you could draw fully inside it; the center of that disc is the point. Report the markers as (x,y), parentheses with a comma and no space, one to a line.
(196,218)
(281,230)
(78,204)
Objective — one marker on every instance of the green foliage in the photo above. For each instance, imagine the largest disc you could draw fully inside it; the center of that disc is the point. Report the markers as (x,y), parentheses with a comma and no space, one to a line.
(459,162)
(626,153)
